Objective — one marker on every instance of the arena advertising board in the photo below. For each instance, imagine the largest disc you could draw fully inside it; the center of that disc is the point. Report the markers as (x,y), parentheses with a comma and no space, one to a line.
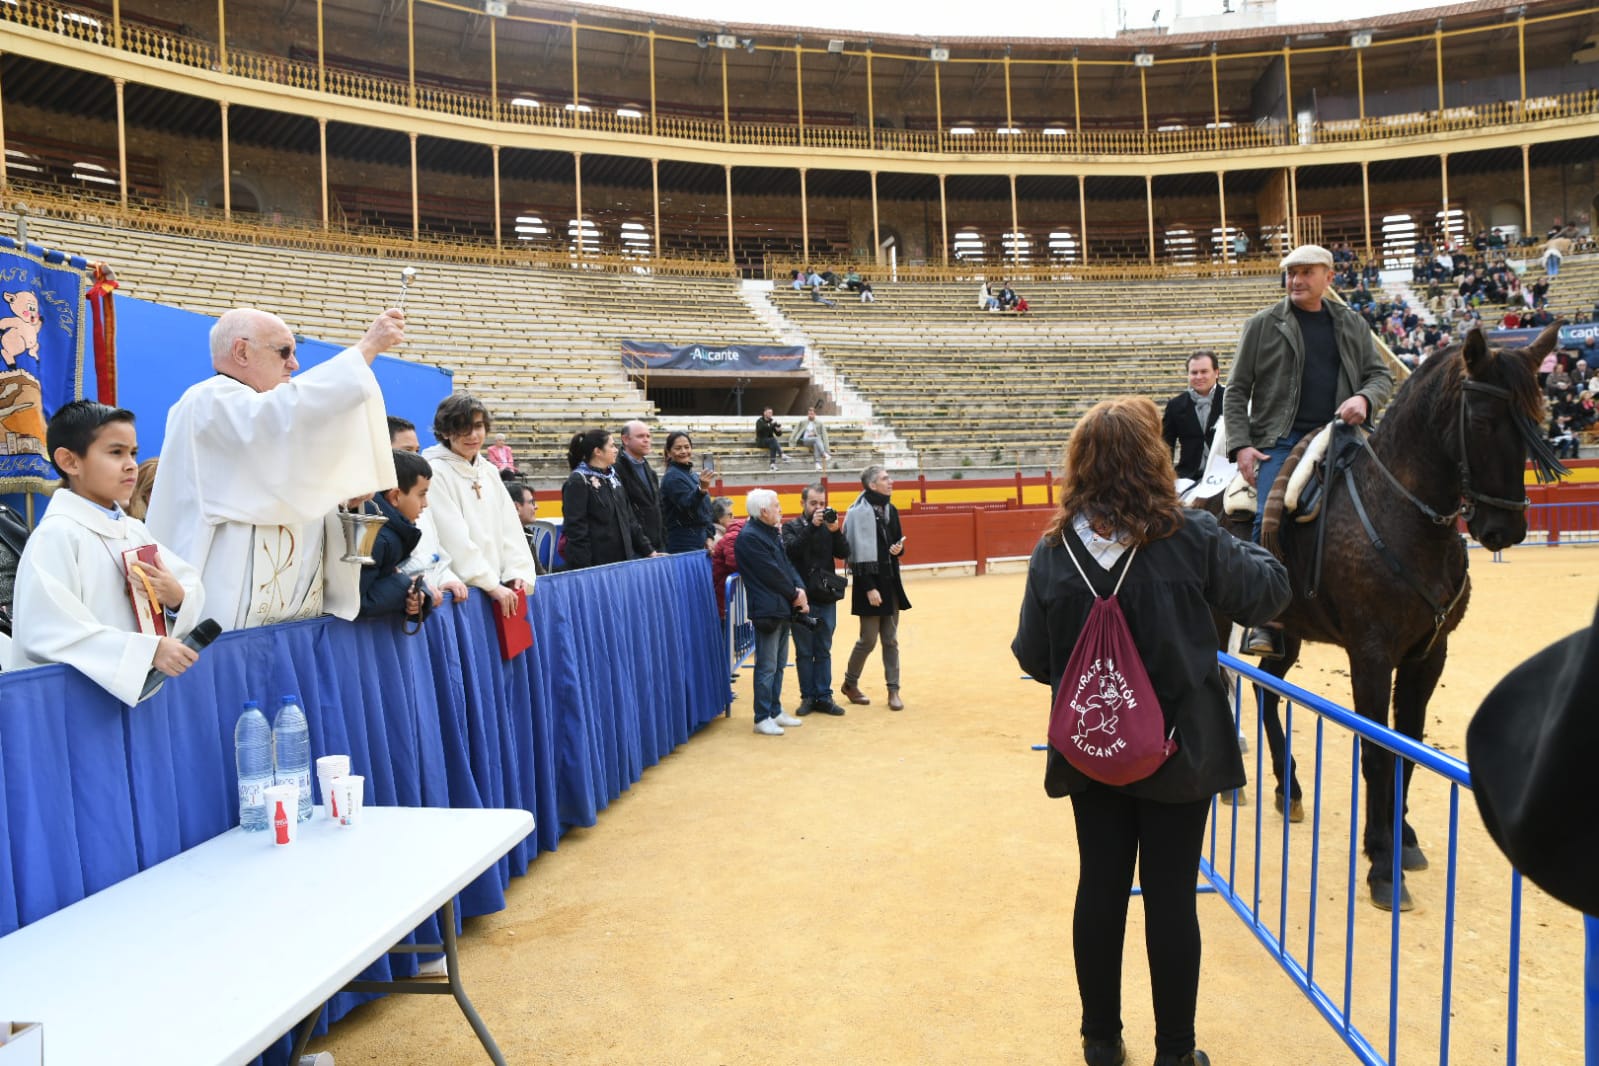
(1570,336)
(754,358)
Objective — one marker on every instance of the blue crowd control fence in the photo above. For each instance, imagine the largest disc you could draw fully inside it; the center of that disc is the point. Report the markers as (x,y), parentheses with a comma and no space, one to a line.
(1377,977)
(740,632)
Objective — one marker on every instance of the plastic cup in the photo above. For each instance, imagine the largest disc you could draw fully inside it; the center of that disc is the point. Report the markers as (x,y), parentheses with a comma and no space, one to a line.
(350,793)
(328,769)
(283,813)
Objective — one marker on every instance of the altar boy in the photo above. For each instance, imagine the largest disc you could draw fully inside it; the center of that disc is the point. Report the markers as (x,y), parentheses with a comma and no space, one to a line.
(94,590)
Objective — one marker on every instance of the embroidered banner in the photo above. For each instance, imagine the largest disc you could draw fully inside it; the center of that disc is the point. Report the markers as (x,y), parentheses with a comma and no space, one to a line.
(44,327)
(652,355)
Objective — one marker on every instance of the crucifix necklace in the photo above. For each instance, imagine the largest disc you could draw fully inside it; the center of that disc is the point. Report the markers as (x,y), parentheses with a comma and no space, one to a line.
(476,475)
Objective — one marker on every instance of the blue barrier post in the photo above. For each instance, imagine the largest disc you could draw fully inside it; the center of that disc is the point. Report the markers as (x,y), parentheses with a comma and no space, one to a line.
(1591,996)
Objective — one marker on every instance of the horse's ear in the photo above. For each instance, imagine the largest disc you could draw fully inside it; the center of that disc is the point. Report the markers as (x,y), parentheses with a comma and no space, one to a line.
(1545,343)
(1475,350)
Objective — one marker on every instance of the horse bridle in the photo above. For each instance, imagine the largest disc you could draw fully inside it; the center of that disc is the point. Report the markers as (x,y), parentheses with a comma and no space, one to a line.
(1470,497)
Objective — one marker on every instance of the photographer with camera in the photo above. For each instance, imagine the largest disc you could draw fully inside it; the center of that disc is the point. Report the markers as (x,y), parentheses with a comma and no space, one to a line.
(813,541)
(774,595)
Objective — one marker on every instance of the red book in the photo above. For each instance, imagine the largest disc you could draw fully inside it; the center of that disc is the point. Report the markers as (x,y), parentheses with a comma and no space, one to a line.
(515,632)
(147,611)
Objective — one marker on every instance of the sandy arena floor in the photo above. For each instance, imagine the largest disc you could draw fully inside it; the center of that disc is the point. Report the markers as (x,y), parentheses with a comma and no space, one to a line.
(896,888)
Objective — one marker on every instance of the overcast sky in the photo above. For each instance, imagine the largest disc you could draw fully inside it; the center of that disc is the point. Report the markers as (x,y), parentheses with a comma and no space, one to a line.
(946,18)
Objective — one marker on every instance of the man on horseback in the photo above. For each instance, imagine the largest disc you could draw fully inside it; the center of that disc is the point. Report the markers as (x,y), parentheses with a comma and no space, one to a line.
(1301,362)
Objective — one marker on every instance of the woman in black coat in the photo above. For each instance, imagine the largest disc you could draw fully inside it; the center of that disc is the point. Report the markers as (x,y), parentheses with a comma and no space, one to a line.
(598,524)
(1117,498)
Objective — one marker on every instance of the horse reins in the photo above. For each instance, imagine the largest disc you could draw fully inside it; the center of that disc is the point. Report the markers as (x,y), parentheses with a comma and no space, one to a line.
(1546,465)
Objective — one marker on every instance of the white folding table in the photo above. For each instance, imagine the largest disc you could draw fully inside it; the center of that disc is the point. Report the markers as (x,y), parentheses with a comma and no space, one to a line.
(214,954)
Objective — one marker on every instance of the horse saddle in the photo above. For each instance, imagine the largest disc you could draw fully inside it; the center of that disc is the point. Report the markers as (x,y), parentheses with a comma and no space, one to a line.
(1300,481)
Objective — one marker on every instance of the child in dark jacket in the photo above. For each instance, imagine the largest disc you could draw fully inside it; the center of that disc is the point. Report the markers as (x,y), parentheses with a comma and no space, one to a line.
(384,589)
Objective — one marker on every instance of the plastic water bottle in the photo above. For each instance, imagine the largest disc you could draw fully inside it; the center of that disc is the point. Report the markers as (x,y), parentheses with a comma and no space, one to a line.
(252,752)
(291,752)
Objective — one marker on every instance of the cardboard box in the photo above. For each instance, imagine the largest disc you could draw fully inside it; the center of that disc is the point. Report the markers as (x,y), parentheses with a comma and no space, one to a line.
(21,1044)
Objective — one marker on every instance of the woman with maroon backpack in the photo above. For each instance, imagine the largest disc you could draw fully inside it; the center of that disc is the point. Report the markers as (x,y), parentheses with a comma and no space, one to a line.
(1141,737)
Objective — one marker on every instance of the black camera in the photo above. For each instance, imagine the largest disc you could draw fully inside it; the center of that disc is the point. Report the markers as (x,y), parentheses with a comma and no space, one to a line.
(805,620)
(829,516)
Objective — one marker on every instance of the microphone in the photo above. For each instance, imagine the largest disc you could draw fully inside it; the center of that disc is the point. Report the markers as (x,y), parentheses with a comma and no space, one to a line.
(201,635)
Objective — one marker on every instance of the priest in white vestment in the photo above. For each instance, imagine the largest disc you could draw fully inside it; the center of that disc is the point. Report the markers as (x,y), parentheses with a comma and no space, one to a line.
(472,512)
(255,464)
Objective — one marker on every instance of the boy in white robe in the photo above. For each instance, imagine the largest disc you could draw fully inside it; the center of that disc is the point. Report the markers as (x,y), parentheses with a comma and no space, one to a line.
(254,465)
(72,600)
(474,516)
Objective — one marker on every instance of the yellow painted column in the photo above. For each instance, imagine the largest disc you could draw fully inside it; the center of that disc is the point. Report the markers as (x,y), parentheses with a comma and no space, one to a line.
(1438,51)
(1082,219)
(577,192)
(943,218)
(653,124)
(322,154)
(727,121)
(1443,221)
(1143,103)
(1288,94)
(655,198)
(1215,98)
(1221,200)
(1360,85)
(416,199)
(227,168)
(877,239)
(498,211)
(122,143)
(410,52)
(1149,206)
(1009,122)
(805,220)
(116,23)
(494,70)
(321,54)
(1015,226)
(577,102)
(871,108)
(1526,190)
(1077,100)
(1521,51)
(222,35)
(732,261)
(938,106)
(1365,201)
(799,91)
(1293,206)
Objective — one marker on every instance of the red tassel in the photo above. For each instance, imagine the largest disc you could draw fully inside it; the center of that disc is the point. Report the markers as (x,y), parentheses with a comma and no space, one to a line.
(103,312)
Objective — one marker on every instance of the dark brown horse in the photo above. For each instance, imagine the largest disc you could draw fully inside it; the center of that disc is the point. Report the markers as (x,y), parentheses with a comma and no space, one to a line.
(1452,445)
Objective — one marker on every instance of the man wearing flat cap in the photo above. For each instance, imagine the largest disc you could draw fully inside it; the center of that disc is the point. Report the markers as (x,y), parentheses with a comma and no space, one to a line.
(1301,362)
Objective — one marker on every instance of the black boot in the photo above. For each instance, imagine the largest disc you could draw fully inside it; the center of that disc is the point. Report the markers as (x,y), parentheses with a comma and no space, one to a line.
(1193,1058)
(1104,1052)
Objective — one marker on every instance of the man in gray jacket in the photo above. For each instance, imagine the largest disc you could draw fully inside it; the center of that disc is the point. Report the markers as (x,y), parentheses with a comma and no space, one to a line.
(1301,363)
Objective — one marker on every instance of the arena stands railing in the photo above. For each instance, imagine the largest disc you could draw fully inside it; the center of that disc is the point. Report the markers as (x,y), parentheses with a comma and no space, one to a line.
(421,90)
(1361,990)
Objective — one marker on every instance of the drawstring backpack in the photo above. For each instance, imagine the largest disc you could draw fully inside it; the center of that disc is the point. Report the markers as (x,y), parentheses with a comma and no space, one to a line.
(1106,720)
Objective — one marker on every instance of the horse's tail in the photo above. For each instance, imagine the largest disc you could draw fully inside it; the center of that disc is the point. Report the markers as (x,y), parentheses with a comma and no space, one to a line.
(1272,516)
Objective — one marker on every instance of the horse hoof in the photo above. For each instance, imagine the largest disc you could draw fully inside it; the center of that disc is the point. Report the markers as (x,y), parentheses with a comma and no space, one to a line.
(1238,798)
(1296,809)
(1382,896)
(1412,858)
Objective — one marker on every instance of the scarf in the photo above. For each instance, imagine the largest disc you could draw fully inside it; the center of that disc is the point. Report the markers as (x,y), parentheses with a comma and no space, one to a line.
(608,475)
(861,524)
(1202,404)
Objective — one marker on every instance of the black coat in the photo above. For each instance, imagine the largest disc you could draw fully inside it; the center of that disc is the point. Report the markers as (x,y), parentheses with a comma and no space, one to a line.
(643,486)
(598,523)
(383,587)
(770,583)
(1180,426)
(1171,588)
(882,575)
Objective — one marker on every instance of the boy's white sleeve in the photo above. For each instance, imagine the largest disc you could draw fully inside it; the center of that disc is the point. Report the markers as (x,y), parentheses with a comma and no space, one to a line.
(55,619)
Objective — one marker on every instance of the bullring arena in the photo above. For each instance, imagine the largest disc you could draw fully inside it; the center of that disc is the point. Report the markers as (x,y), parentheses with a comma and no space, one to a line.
(564,183)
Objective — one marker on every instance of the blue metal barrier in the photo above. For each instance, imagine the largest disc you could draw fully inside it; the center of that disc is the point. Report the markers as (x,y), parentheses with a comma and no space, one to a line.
(740,633)
(1336,1004)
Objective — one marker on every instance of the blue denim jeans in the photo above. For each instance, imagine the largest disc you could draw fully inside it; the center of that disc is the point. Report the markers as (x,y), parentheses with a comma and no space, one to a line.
(813,654)
(771,656)
(1266,473)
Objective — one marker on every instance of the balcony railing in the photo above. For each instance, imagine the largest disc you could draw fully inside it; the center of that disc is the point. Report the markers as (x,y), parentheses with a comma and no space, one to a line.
(95,30)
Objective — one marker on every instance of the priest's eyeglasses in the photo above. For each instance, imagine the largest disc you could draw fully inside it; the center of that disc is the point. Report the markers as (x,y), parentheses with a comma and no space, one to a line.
(285,351)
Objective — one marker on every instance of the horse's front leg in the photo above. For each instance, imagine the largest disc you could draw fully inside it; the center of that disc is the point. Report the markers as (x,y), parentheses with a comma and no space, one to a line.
(1372,680)
(1289,794)
(1413,688)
